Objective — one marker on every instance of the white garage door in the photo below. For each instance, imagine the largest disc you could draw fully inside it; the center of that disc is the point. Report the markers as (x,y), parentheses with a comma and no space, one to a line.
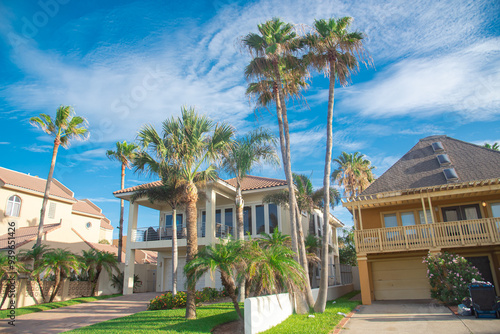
(400,279)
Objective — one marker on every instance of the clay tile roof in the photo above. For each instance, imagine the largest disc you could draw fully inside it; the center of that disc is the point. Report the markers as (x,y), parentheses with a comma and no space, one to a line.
(131,189)
(420,168)
(105,248)
(105,223)
(257,182)
(87,206)
(26,234)
(10,177)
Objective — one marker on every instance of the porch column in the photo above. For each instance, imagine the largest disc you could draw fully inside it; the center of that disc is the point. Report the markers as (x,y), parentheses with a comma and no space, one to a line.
(128,275)
(210,205)
(360,218)
(364,280)
(338,271)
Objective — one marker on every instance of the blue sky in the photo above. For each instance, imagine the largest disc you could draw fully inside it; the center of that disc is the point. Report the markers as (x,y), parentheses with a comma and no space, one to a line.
(123,64)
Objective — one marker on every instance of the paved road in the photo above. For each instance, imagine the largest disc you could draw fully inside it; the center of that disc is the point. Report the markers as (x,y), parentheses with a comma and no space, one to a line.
(423,316)
(67,318)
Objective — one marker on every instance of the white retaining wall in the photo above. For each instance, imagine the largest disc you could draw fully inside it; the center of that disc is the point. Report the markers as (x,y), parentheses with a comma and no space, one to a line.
(262,313)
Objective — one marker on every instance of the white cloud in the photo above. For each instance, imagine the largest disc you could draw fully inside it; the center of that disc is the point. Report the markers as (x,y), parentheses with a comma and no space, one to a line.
(4,143)
(104,200)
(38,148)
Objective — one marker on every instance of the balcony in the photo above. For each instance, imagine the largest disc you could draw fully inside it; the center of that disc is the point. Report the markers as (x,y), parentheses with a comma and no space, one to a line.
(165,233)
(464,233)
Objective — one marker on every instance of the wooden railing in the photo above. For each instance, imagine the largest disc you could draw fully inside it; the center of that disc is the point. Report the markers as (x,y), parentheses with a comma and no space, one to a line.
(464,233)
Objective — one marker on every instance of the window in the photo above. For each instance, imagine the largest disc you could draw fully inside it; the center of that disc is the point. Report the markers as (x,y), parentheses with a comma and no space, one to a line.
(495,209)
(273,217)
(52,210)
(463,212)
(247,219)
(178,220)
(391,220)
(407,218)
(203,223)
(228,219)
(88,225)
(422,218)
(260,219)
(13,206)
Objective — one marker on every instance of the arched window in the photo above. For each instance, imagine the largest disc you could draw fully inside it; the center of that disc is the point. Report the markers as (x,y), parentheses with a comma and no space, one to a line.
(13,206)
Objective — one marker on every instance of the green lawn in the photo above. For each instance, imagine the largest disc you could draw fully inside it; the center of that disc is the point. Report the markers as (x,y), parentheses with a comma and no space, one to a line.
(167,321)
(322,322)
(50,306)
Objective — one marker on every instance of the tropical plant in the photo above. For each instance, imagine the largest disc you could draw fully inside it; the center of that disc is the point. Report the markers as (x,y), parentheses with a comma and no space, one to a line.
(65,127)
(335,51)
(95,262)
(246,153)
(117,281)
(10,268)
(58,262)
(188,143)
(354,173)
(449,276)
(347,248)
(35,255)
(124,154)
(224,257)
(275,238)
(313,249)
(493,146)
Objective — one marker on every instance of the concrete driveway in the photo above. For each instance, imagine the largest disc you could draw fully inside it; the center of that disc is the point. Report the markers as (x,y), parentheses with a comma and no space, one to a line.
(423,316)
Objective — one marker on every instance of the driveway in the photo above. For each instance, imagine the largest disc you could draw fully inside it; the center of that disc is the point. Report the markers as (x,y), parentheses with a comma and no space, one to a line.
(423,316)
(71,317)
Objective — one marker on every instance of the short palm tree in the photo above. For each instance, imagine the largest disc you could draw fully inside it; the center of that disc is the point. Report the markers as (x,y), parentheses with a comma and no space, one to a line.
(354,173)
(9,267)
(189,143)
(225,257)
(58,262)
(35,255)
(124,154)
(95,262)
(65,127)
(275,238)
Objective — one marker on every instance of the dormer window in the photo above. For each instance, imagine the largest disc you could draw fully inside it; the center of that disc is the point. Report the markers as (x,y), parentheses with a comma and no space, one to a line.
(437,147)
(13,206)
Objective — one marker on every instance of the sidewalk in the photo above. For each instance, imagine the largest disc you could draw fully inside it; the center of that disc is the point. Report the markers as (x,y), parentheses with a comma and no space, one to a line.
(68,318)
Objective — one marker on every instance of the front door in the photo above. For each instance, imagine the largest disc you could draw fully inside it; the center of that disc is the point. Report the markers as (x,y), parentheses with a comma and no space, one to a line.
(482,263)
(462,212)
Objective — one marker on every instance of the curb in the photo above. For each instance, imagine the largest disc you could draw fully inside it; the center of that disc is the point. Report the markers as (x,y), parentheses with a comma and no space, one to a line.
(344,321)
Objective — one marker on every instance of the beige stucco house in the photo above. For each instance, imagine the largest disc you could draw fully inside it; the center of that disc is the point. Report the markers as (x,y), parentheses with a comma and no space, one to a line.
(443,195)
(216,219)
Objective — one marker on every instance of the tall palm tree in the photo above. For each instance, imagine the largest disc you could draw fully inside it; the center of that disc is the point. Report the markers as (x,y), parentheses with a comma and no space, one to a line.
(189,142)
(247,152)
(36,254)
(226,257)
(58,262)
(354,173)
(65,127)
(335,51)
(96,261)
(124,154)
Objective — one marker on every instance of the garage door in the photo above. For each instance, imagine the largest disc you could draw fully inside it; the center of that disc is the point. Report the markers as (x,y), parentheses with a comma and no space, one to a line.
(400,279)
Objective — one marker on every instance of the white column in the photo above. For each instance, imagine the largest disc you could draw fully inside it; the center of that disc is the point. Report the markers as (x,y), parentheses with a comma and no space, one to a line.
(128,276)
(211,203)
(338,273)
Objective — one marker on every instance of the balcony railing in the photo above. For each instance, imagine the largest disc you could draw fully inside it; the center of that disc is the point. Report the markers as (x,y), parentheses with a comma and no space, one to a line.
(166,233)
(465,233)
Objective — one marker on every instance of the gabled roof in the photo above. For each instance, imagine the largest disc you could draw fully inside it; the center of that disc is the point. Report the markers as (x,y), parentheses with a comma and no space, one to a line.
(26,234)
(34,183)
(106,224)
(420,168)
(86,206)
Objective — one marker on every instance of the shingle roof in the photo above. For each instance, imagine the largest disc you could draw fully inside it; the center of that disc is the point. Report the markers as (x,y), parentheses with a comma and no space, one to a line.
(105,223)
(248,183)
(87,206)
(26,234)
(420,168)
(10,177)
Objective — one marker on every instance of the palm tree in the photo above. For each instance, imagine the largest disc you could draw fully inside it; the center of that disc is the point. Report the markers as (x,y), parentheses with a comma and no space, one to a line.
(96,261)
(9,268)
(64,127)
(36,254)
(124,154)
(275,238)
(225,257)
(247,152)
(493,146)
(333,50)
(189,143)
(58,262)
(354,173)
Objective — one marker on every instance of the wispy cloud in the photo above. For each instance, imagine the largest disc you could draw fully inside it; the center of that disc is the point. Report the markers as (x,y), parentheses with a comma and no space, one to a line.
(104,200)
(4,143)
(38,148)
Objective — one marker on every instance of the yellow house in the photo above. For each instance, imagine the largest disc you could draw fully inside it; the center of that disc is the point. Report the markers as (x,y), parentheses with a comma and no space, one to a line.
(216,219)
(443,195)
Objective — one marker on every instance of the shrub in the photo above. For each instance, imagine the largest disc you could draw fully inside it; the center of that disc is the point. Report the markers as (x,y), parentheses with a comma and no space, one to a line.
(168,301)
(117,281)
(449,276)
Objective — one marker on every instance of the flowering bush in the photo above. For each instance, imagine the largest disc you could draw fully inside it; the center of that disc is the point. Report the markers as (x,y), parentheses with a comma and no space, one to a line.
(449,276)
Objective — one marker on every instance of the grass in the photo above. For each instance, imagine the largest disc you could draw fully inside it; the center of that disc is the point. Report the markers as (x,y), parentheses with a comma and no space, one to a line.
(49,306)
(322,322)
(167,321)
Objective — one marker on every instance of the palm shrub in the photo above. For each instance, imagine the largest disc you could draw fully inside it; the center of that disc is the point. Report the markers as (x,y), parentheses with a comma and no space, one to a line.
(35,256)
(449,276)
(97,261)
(117,281)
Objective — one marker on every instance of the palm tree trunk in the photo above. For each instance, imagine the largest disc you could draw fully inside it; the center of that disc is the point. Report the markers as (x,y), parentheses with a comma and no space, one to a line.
(120,228)
(6,293)
(40,286)
(94,283)
(228,283)
(240,234)
(323,283)
(303,258)
(192,246)
(47,190)
(174,251)
(57,283)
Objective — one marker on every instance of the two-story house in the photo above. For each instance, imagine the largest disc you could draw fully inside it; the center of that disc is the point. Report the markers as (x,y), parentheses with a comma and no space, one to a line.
(443,195)
(216,219)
